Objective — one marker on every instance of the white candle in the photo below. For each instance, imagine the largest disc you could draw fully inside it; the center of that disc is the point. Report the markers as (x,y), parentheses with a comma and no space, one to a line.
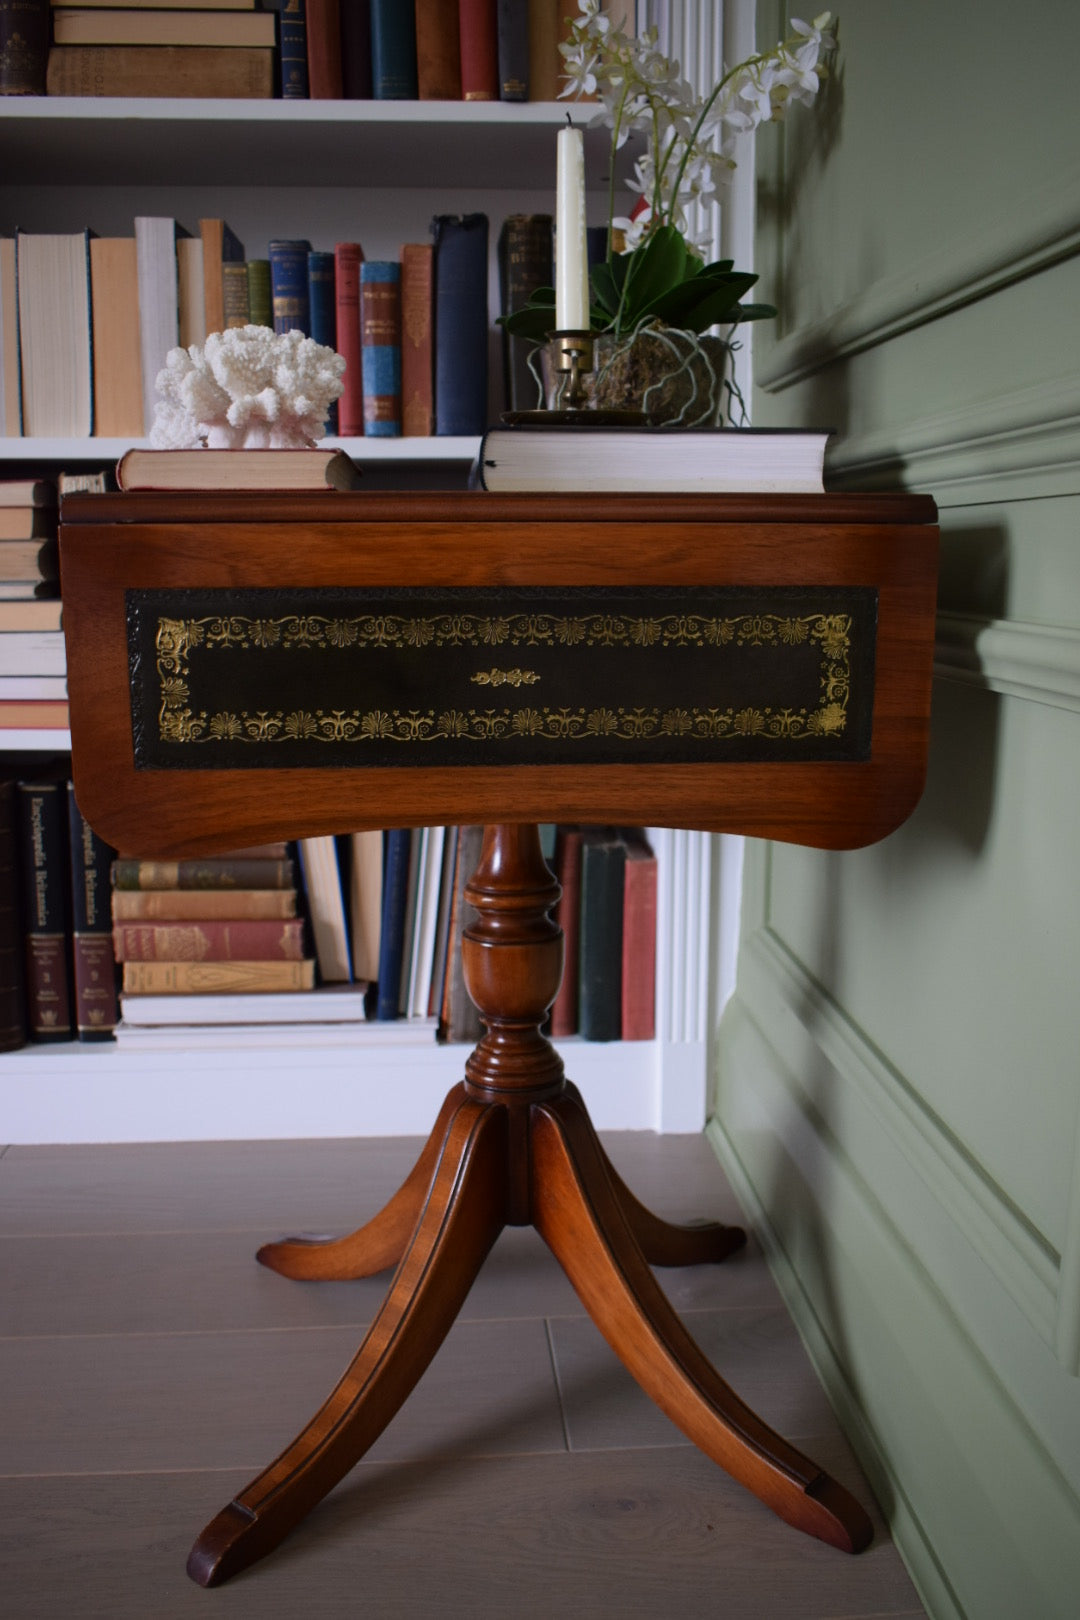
(571,255)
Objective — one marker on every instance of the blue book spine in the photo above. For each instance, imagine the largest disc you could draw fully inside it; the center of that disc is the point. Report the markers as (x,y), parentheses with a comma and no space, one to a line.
(322,302)
(392,934)
(393,51)
(292,50)
(461,322)
(289,285)
(380,347)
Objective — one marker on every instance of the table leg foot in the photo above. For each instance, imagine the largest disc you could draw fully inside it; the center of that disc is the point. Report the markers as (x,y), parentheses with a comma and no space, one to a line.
(379,1243)
(460,1220)
(580,1215)
(670,1243)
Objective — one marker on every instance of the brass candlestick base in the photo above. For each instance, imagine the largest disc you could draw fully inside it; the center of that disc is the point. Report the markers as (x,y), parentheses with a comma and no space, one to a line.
(572,355)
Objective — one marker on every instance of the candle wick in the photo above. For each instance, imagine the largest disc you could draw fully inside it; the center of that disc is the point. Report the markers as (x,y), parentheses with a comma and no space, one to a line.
(569,121)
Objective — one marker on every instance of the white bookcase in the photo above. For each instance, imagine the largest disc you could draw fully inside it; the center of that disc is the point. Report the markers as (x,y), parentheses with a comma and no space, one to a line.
(375,172)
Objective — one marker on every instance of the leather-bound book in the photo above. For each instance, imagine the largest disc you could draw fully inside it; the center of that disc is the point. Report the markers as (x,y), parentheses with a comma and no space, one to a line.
(221,246)
(460,1019)
(93,968)
(461,322)
(12,999)
(260,298)
(397,849)
(322,298)
(214,939)
(525,263)
(211,872)
(603,863)
(43,844)
(10,401)
(324,50)
(191,295)
(380,346)
(478,27)
(292,50)
(417,357)
(289,284)
(356,50)
(348,257)
(114,292)
(234,279)
(639,939)
(438,50)
(513,36)
(393,51)
(545,63)
(24,47)
(204,71)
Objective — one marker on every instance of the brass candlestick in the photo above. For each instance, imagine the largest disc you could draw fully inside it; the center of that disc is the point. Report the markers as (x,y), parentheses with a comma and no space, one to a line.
(572,354)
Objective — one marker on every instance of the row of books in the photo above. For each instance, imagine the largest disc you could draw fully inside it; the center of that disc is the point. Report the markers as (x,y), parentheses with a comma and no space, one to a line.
(369,923)
(430,50)
(383,917)
(440,50)
(86,322)
(57,977)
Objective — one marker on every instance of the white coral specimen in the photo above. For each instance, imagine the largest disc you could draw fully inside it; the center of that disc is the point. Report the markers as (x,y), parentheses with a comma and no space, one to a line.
(247,388)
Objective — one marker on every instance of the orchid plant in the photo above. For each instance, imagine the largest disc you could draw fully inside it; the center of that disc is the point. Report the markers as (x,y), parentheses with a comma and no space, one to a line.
(660,275)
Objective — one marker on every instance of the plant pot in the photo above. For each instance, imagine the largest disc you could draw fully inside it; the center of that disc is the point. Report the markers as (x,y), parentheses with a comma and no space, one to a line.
(676,378)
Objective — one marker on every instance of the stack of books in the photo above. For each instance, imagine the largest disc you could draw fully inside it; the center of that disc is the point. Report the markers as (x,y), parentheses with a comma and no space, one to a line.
(169,48)
(210,926)
(33,687)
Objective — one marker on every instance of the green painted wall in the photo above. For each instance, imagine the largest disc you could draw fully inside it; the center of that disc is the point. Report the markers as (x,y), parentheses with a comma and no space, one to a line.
(897,1088)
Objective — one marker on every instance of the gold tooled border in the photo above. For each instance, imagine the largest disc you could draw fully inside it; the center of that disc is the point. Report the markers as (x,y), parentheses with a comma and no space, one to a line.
(175,640)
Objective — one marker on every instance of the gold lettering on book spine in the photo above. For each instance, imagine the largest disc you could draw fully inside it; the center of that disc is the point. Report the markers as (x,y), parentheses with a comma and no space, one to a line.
(176,639)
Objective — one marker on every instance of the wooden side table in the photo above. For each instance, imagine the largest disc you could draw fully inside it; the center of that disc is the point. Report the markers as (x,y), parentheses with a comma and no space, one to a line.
(246,668)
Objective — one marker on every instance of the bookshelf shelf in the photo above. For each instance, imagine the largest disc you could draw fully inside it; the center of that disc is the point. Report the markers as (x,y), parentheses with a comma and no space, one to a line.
(101,1092)
(69,452)
(92,140)
(38,740)
(329,171)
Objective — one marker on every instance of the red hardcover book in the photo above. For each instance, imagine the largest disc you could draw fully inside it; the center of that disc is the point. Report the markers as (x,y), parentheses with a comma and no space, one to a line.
(348,257)
(324,50)
(639,940)
(479,35)
(210,940)
(438,50)
(417,373)
(564,1011)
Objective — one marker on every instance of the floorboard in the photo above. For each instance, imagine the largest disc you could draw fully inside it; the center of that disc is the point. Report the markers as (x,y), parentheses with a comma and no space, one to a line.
(148,1367)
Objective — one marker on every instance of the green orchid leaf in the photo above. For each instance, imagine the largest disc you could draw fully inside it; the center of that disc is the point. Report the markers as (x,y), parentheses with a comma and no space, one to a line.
(718,267)
(605,291)
(533,322)
(656,267)
(692,304)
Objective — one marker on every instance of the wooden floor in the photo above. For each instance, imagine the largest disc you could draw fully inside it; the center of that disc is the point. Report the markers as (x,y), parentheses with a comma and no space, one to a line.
(148,1367)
